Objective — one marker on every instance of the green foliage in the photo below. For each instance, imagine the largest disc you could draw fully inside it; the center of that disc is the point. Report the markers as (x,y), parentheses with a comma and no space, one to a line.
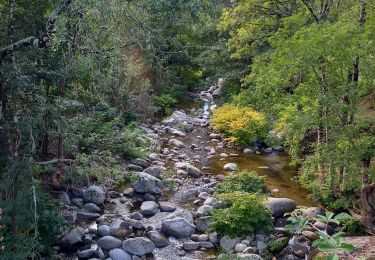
(165,102)
(38,225)
(301,71)
(325,241)
(105,131)
(275,245)
(243,181)
(244,213)
(298,223)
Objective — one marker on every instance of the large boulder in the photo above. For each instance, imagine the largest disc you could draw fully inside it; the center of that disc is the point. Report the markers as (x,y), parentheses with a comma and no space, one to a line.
(119,254)
(178,227)
(94,194)
(109,242)
(280,206)
(73,237)
(146,183)
(139,246)
(149,208)
(230,167)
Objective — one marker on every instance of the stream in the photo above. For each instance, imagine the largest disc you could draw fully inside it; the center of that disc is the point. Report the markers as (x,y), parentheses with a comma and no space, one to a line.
(274,166)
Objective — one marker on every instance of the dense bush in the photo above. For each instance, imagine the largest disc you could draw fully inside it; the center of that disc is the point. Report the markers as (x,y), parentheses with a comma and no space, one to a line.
(105,130)
(242,124)
(244,213)
(243,181)
(165,102)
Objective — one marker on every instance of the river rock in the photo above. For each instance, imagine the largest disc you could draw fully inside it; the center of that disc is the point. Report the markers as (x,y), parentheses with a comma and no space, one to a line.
(119,254)
(166,206)
(248,151)
(146,183)
(261,246)
(250,257)
(229,243)
(193,171)
(104,230)
(73,237)
(239,248)
(155,171)
(128,192)
(119,228)
(206,244)
(134,168)
(158,238)
(94,194)
(136,216)
(178,227)
(215,136)
(202,223)
(176,143)
(190,245)
(204,210)
(141,163)
(280,206)
(149,208)
(310,235)
(109,242)
(139,246)
(312,212)
(230,167)
(85,253)
(88,215)
(91,207)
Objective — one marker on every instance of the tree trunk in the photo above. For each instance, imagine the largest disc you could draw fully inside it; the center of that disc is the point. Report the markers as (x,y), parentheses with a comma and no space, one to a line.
(367,199)
(60,145)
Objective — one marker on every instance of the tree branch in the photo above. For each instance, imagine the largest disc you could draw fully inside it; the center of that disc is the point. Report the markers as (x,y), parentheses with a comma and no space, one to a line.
(32,40)
(310,10)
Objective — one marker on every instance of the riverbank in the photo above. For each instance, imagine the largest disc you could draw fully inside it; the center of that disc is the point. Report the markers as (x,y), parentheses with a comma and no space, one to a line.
(163,213)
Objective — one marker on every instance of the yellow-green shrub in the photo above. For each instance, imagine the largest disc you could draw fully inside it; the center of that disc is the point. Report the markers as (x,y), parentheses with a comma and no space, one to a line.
(242,124)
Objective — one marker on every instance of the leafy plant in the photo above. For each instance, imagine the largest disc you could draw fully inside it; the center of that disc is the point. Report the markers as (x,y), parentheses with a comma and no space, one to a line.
(325,241)
(332,243)
(298,222)
(165,101)
(243,214)
(243,181)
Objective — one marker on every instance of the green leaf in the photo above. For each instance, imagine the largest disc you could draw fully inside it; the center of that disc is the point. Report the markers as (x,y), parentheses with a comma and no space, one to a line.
(332,257)
(326,246)
(347,247)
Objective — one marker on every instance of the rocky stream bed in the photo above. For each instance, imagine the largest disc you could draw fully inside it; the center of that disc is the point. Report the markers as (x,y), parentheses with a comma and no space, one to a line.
(163,212)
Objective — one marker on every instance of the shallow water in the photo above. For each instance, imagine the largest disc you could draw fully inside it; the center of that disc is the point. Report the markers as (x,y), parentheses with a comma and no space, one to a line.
(274,166)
